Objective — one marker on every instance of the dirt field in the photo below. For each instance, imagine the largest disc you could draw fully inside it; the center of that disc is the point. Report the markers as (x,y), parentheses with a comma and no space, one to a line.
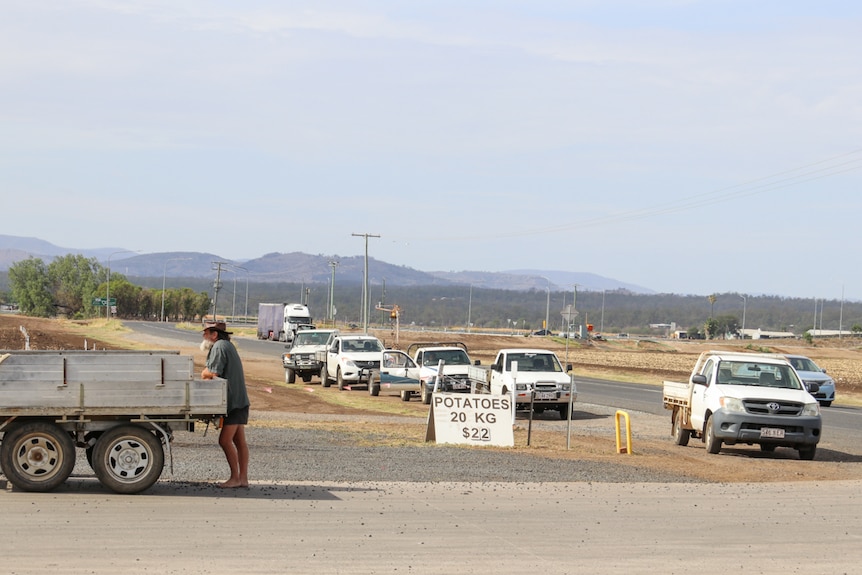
(645,361)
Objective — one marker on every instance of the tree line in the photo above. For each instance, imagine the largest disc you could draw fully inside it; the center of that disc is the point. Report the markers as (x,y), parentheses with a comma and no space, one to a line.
(69,285)
(77,287)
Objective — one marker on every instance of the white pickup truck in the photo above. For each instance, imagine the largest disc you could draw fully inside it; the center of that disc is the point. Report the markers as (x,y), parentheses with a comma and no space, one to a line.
(746,398)
(350,359)
(301,356)
(455,361)
(532,377)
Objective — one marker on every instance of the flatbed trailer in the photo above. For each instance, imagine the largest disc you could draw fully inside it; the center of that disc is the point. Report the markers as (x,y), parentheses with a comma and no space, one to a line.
(120,406)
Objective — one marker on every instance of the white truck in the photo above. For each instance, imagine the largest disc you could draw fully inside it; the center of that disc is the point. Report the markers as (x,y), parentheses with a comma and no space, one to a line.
(121,407)
(532,377)
(295,315)
(748,398)
(350,359)
(456,362)
(301,356)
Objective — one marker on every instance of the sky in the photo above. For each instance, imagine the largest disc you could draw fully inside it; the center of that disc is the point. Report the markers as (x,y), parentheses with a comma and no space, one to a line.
(689,147)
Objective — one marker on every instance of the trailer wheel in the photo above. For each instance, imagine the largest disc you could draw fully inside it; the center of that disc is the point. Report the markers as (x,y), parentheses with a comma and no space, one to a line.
(37,456)
(680,435)
(128,459)
(713,444)
(289,375)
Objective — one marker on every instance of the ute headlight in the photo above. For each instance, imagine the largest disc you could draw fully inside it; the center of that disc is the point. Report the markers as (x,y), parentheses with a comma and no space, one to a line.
(349,363)
(811,409)
(520,387)
(732,404)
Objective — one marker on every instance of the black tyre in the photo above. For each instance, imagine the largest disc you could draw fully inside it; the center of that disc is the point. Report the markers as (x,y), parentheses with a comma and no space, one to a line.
(405,396)
(339,379)
(324,376)
(713,444)
(807,453)
(289,375)
(565,411)
(128,459)
(373,386)
(680,435)
(426,395)
(37,456)
(767,447)
(306,377)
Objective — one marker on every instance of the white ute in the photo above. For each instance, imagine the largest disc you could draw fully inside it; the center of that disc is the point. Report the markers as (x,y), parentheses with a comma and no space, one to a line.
(747,398)
(351,359)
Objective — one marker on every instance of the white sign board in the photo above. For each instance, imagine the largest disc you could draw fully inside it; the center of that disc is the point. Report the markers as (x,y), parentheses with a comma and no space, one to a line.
(471,419)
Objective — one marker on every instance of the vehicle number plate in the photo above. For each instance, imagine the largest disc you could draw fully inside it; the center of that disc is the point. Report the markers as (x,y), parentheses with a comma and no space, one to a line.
(546,395)
(775,432)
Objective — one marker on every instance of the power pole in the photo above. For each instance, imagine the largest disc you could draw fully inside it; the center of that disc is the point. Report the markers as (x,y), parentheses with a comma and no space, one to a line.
(333,264)
(365,282)
(217,286)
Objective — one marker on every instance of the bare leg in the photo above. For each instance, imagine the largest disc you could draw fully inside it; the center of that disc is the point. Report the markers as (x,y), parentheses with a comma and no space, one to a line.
(232,441)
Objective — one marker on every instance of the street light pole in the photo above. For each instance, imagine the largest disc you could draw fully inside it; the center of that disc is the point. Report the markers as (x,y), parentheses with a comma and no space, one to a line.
(547,306)
(744,302)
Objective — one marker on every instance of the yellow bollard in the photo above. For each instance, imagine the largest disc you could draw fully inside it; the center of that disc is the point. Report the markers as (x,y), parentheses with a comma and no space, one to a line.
(628,446)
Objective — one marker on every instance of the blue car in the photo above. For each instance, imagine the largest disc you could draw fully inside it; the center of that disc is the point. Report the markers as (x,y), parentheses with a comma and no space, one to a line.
(809,372)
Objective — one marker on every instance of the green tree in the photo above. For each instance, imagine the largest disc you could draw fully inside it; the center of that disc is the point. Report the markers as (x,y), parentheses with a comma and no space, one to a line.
(710,328)
(126,294)
(74,280)
(31,287)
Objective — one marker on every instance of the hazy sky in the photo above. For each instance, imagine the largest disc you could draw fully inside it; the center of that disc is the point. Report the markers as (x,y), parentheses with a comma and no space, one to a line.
(685,146)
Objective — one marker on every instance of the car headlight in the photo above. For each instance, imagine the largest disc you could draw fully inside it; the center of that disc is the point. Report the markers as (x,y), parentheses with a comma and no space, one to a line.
(565,386)
(285,357)
(811,409)
(520,387)
(732,404)
(349,363)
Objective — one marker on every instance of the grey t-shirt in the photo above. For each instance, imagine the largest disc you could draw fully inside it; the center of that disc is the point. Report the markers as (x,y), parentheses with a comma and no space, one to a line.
(224,361)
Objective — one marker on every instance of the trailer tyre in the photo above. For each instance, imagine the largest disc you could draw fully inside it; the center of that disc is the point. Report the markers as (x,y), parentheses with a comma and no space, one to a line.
(128,459)
(680,435)
(713,444)
(37,456)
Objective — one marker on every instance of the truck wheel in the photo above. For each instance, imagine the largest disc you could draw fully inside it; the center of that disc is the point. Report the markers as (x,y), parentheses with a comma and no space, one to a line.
(426,395)
(713,444)
(339,379)
(807,453)
(128,459)
(289,376)
(565,412)
(405,395)
(680,435)
(324,376)
(37,456)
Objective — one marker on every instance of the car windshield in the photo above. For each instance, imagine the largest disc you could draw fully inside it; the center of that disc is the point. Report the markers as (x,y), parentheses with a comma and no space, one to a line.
(757,374)
(449,357)
(529,361)
(803,364)
(311,338)
(362,345)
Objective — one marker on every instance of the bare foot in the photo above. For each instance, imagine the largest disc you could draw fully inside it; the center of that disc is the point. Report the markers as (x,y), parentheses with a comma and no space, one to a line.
(232,484)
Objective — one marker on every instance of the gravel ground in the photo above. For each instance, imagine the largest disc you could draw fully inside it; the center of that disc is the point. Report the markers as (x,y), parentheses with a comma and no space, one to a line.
(281,455)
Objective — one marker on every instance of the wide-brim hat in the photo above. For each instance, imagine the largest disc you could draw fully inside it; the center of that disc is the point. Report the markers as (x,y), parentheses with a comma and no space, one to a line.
(216,325)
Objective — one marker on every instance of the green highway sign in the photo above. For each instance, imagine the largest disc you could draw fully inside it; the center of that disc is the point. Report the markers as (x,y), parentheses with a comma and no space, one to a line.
(103,301)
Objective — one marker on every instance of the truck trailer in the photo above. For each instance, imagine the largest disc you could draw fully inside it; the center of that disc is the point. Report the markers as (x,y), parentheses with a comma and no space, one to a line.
(121,407)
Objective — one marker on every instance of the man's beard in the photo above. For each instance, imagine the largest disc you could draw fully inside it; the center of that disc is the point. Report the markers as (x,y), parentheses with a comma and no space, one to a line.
(206,345)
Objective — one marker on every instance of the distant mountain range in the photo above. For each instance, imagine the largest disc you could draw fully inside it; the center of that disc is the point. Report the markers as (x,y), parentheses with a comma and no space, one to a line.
(297,267)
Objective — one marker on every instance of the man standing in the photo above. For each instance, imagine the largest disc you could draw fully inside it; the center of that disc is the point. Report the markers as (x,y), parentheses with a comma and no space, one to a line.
(223,361)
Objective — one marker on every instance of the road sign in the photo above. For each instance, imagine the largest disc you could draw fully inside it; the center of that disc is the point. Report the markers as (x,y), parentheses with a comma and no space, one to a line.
(103,301)
(569,313)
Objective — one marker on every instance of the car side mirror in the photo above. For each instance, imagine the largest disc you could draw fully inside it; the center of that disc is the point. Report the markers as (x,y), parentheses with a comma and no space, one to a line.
(496,367)
(698,379)
(568,367)
(476,362)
